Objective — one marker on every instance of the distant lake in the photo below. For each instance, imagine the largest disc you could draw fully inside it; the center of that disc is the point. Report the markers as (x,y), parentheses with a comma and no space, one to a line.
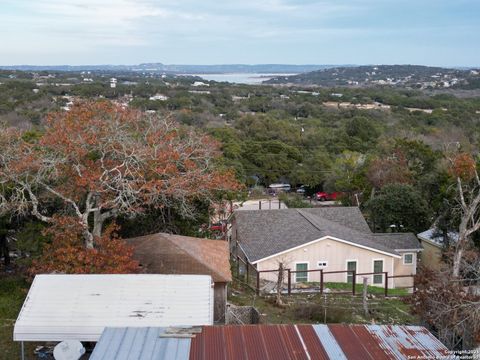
(240,78)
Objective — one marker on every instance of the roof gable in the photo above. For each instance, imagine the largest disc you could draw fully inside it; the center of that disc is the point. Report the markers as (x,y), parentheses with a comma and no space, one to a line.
(263,234)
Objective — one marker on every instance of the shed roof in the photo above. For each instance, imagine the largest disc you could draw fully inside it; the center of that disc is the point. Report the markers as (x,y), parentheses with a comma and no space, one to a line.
(79,307)
(267,233)
(368,342)
(174,254)
(435,236)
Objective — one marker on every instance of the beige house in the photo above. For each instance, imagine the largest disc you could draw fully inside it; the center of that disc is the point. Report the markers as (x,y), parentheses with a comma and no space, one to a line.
(329,238)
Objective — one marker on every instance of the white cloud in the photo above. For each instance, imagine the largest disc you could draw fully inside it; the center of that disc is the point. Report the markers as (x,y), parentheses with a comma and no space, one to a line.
(119,31)
(99,22)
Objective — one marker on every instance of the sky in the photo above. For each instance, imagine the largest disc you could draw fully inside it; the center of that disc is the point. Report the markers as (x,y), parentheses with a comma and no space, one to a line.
(80,32)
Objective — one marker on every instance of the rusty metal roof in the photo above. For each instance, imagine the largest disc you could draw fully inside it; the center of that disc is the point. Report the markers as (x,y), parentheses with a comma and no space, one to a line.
(277,342)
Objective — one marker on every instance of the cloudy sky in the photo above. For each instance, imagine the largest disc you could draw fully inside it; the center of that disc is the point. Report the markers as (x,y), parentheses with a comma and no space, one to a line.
(430,32)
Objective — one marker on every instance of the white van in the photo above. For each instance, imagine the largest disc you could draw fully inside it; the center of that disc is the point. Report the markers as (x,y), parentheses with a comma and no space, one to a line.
(280,187)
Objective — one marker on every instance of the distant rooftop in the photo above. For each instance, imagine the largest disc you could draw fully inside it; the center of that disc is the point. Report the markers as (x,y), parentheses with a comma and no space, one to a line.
(435,236)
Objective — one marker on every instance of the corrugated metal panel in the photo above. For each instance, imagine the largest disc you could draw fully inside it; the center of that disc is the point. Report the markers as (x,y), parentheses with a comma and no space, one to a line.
(256,348)
(370,343)
(312,342)
(139,344)
(79,307)
(409,341)
(274,342)
(333,350)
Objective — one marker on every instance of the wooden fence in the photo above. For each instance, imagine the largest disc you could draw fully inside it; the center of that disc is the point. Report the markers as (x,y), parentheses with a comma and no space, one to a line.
(250,274)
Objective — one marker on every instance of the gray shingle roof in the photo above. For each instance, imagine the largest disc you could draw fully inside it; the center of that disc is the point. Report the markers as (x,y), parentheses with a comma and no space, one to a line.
(263,233)
(399,241)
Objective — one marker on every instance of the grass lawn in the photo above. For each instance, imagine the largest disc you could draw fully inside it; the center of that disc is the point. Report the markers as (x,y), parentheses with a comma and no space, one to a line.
(316,308)
(375,290)
(13,290)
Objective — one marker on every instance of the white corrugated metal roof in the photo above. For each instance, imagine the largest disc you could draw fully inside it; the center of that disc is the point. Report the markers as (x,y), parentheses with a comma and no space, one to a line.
(62,307)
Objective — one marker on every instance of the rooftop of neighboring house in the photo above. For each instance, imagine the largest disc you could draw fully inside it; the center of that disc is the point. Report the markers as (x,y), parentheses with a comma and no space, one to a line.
(265,233)
(175,254)
(436,237)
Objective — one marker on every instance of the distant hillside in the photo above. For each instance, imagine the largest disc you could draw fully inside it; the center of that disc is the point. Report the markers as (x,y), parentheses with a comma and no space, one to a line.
(176,69)
(415,76)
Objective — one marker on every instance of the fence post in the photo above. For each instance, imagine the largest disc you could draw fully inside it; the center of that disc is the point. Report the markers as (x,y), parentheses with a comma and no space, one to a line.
(246,268)
(321,281)
(386,284)
(279,204)
(259,204)
(238,266)
(257,290)
(289,282)
(269,204)
(354,280)
(364,296)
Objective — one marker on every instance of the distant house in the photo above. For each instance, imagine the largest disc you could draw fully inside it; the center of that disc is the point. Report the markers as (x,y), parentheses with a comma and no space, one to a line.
(174,254)
(433,242)
(159,97)
(200,83)
(329,238)
(334,342)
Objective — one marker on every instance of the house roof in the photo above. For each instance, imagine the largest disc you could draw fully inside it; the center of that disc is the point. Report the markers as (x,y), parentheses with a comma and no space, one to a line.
(399,241)
(336,341)
(80,307)
(435,237)
(174,254)
(262,234)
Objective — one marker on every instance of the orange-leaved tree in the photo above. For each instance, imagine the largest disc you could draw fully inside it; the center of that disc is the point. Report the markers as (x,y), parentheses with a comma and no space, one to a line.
(100,160)
(67,254)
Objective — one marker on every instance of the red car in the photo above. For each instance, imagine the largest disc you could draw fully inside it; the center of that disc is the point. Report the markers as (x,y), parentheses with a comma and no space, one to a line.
(324,196)
(219,226)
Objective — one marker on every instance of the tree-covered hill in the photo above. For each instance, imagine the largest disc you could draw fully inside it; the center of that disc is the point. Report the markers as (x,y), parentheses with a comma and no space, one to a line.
(414,76)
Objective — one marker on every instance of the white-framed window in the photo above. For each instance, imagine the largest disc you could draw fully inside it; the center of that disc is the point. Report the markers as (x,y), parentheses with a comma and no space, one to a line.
(351,265)
(378,268)
(322,264)
(302,274)
(408,259)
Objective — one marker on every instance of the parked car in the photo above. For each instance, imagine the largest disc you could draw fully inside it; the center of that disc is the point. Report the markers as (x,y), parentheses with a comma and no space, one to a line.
(325,196)
(277,188)
(301,190)
(219,226)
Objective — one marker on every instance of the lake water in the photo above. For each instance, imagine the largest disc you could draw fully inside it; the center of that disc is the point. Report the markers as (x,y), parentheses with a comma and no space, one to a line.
(240,78)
